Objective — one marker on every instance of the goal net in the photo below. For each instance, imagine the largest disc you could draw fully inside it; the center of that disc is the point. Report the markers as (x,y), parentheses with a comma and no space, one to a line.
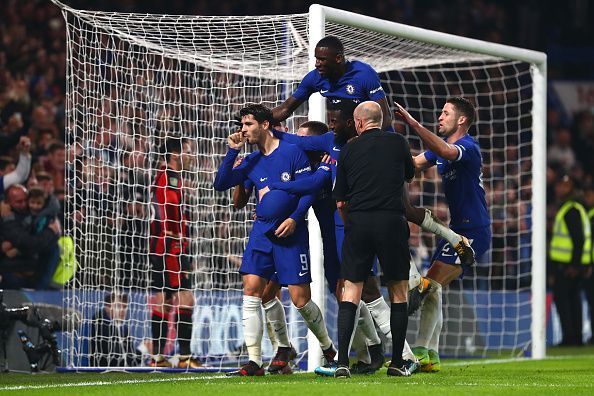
(135,79)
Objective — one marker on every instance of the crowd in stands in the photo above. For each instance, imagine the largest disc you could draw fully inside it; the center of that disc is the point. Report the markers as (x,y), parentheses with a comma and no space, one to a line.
(32,105)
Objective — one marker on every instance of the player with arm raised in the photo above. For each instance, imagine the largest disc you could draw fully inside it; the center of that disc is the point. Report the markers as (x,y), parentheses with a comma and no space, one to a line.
(280,247)
(336,78)
(170,266)
(458,159)
(274,313)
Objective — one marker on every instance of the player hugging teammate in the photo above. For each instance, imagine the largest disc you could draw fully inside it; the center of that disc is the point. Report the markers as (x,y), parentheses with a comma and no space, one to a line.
(285,187)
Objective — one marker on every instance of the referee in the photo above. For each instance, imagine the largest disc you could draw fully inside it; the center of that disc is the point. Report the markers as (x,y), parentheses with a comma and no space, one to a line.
(370,178)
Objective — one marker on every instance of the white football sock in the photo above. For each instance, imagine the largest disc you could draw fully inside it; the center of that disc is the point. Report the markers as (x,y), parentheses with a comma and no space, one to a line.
(252,327)
(314,319)
(360,346)
(407,353)
(275,317)
(434,225)
(366,325)
(434,341)
(380,311)
(429,315)
(414,277)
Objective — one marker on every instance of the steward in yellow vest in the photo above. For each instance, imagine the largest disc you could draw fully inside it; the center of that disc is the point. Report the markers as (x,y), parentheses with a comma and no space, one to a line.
(570,253)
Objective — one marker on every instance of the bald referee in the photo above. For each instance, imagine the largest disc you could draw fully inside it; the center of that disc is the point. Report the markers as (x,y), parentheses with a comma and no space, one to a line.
(370,178)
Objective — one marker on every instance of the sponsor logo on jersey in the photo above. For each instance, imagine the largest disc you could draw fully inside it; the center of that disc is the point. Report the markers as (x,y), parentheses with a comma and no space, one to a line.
(298,171)
(173,181)
(335,148)
(263,179)
(350,89)
(285,176)
(324,167)
(323,91)
(376,90)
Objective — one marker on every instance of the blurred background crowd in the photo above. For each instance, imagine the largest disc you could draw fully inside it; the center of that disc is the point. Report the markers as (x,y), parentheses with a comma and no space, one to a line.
(32,102)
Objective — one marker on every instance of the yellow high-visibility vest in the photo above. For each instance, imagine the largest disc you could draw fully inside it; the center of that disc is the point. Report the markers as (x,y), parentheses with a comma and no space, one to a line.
(67,266)
(591,217)
(561,243)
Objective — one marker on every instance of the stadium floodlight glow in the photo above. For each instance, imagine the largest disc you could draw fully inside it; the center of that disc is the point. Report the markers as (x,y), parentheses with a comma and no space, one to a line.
(133,79)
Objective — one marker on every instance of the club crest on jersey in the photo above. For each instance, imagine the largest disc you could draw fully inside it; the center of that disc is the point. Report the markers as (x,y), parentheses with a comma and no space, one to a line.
(350,89)
(173,181)
(285,176)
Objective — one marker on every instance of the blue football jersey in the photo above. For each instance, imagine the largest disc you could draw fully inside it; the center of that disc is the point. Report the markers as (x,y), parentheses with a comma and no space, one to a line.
(287,163)
(463,185)
(359,83)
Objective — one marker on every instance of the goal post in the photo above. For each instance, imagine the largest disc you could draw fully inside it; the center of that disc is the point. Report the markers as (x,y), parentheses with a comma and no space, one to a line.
(135,79)
(320,16)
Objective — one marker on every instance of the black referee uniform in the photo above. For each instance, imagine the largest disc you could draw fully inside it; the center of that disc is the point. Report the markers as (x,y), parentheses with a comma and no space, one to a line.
(371,173)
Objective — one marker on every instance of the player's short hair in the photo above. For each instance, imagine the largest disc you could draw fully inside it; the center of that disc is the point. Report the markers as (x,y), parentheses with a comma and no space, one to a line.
(37,192)
(173,145)
(333,43)
(316,128)
(260,113)
(464,107)
(346,108)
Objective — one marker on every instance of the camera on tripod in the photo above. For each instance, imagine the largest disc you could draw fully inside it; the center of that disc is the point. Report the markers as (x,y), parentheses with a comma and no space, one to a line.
(47,348)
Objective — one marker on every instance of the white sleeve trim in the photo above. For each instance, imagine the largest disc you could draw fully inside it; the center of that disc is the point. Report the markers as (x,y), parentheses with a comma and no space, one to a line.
(460,148)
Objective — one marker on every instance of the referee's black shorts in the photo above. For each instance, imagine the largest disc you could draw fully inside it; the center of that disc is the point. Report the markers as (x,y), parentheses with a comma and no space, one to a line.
(376,233)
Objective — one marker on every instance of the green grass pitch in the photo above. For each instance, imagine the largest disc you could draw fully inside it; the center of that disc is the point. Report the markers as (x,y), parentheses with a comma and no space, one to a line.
(565,372)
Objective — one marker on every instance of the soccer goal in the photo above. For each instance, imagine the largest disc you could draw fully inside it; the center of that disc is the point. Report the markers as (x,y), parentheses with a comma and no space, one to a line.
(135,79)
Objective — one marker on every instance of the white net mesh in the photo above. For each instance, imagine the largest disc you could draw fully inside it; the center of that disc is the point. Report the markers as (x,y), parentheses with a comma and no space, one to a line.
(135,79)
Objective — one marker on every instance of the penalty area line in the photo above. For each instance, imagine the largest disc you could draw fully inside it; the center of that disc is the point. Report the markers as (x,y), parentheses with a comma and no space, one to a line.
(105,383)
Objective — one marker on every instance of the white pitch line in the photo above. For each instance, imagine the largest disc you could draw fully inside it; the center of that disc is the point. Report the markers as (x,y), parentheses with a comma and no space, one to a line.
(510,360)
(103,383)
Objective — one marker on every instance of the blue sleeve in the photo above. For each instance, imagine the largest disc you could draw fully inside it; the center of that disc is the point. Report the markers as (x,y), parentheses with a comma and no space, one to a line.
(468,151)
(430,157)
(248,184)
(228,177)
(302,170)
(372,85)
(307,86)
(305,185)
(307,143)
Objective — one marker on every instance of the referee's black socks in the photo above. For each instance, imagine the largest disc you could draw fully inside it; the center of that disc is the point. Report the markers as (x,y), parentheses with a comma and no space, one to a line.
(398,325)
(347,311)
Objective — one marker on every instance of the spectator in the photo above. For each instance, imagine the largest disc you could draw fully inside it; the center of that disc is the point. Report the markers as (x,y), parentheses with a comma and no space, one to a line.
(560,152)
(44,209)
(33,262)
(110,342)
(55,162)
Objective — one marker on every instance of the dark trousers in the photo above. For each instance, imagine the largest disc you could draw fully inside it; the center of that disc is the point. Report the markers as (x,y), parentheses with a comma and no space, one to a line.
(569,306)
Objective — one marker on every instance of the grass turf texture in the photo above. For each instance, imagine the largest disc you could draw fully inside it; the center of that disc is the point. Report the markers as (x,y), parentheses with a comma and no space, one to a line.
(568,371)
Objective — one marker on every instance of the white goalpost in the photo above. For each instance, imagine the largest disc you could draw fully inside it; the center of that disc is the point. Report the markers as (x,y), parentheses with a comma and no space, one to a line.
(135,79)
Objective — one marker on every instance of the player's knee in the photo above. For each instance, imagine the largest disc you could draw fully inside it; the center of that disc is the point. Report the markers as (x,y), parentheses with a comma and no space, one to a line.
(270,292)
(186,299)
(398,291)
(300,295)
